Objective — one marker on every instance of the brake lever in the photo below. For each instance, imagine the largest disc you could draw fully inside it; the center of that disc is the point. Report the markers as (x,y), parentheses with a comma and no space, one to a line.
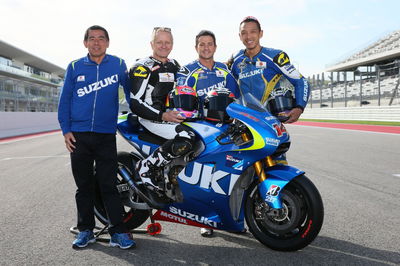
(225,134)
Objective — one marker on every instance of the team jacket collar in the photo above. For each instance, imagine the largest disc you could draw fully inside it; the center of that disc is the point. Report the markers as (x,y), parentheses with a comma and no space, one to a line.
(244,53)
(89,61)
(203,67)
(159,62)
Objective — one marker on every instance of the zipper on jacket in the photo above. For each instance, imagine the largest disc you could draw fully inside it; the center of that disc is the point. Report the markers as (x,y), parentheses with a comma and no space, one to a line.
(95,97)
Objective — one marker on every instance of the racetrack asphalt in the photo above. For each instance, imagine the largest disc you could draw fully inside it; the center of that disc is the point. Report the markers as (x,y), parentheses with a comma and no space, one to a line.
(357,173)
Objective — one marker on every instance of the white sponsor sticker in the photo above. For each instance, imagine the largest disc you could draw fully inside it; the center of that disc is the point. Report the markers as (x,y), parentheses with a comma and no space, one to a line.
(219,73)
(80,78)
(166,77)
(261,64)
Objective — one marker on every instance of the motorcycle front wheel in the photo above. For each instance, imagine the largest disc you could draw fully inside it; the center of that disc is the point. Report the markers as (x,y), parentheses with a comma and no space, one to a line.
(133,218)
(293,227)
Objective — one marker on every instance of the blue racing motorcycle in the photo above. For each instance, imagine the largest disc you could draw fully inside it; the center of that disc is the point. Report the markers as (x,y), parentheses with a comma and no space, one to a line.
(228,179)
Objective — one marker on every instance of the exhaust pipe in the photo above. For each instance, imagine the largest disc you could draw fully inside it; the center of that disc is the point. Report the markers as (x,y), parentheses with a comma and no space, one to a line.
(148,199)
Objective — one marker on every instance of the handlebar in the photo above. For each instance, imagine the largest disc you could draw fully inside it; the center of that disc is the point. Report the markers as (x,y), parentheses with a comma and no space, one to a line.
(235,128)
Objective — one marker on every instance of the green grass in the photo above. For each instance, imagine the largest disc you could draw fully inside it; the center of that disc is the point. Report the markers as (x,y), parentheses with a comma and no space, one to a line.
(381,123)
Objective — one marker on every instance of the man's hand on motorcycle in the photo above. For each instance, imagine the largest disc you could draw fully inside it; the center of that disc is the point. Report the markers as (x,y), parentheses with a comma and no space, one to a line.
(294,115)
(69,140)
(172,116)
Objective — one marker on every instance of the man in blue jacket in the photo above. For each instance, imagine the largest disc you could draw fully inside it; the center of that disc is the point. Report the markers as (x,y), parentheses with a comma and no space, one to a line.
(204,75)
(87,113)
(261,70)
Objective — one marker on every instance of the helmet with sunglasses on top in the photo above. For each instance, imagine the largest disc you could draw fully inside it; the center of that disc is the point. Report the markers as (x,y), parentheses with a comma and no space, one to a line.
(184,99)
(215,104)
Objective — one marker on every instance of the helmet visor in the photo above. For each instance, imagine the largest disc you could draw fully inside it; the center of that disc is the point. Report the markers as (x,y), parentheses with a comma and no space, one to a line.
(219,103)
(186,102)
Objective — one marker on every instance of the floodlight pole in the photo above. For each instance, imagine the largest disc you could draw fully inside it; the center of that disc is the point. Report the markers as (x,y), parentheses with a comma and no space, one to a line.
(360,88)
(378,76)
(345,88)
(331,77)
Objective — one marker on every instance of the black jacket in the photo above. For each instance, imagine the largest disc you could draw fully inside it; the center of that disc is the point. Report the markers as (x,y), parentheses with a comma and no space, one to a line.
(151,81)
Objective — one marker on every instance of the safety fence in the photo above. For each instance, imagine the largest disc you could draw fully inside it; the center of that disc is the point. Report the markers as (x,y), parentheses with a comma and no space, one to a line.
(383,113)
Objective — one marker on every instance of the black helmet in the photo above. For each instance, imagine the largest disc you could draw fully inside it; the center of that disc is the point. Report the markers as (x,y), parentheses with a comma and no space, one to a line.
(215,104)
(280,103)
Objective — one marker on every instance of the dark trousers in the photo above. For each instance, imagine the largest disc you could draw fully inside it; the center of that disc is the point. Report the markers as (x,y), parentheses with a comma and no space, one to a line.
(100,150)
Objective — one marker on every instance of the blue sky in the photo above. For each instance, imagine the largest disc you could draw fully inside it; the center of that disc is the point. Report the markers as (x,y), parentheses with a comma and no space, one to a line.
(314,33)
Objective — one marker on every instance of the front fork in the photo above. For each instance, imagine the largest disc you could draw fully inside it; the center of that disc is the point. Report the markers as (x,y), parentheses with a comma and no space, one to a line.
(268,192)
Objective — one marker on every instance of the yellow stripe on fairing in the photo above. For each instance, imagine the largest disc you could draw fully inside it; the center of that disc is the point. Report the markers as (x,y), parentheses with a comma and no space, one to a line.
(258,140)
(121,117)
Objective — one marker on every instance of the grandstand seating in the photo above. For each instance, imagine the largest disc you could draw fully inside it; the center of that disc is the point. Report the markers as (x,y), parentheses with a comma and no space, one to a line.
(388,43)
(369,89)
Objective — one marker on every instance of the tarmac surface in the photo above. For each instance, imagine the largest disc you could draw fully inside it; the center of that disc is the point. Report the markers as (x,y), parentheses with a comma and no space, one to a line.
(357,173)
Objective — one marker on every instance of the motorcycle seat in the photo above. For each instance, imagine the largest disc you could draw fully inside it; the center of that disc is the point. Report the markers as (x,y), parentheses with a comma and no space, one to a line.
(143,133)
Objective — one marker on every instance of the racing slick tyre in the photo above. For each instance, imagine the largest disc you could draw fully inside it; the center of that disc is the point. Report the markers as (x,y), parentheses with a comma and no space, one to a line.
(294,226)
(133,218)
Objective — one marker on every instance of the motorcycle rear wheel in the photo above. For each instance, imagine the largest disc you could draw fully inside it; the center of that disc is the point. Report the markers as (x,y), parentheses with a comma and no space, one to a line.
(299,223)
(133,218)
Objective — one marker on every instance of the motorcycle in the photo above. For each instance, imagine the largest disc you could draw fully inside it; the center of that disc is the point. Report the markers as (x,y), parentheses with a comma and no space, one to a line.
(229,179)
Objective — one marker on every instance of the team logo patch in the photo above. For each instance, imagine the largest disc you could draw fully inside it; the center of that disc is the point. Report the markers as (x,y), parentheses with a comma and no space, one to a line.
(80,78)
(202,76)
(261,64)
(273,190)
(166,77)
(234,162)
(281,59)
(242,65)
(219,73)
(141,72)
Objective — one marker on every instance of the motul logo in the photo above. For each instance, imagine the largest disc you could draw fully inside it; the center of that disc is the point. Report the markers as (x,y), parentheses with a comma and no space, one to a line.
(97,85)
(193,217)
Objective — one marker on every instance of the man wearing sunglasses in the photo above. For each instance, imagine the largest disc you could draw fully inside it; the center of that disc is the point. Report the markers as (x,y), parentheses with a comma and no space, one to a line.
(152,79)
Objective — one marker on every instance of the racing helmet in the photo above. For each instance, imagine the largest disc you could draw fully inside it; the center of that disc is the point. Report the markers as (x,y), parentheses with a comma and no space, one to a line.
(215,104)
(280,103)
(184,99)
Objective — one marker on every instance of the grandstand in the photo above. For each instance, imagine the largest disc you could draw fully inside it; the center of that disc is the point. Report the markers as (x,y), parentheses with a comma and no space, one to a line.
(370,77)
(27,82)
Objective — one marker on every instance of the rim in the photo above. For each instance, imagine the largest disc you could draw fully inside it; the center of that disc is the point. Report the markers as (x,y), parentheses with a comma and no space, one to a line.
(286,223)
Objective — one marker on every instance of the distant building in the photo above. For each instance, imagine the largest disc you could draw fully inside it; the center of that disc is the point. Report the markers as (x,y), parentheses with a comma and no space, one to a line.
(383,51)
(370,76)
(27,82)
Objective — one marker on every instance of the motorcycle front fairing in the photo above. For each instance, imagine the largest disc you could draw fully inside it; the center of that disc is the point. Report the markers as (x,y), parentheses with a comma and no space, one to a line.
(268,133)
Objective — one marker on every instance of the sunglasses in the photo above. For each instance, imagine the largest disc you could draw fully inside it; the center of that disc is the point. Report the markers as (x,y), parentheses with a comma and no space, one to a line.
(161,29)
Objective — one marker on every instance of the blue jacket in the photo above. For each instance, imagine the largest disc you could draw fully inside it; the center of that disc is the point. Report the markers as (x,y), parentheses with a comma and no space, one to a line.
(267,70)
(89,97)
(204,80)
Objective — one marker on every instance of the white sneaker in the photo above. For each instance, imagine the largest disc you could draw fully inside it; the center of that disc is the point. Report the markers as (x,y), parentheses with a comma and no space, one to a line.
(205,232)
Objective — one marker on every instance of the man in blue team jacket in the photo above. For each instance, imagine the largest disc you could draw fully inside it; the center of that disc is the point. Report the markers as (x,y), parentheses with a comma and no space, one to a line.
(261,70)
(87,113)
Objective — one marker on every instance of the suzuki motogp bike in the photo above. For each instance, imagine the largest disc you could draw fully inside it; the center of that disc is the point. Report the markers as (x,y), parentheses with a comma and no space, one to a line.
(229,179)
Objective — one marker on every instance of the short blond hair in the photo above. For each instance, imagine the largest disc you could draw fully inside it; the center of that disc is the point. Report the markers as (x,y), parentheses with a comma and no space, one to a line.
(160,29)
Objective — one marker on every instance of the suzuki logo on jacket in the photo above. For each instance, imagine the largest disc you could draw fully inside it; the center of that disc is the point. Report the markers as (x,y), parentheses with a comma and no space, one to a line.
(97,85)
